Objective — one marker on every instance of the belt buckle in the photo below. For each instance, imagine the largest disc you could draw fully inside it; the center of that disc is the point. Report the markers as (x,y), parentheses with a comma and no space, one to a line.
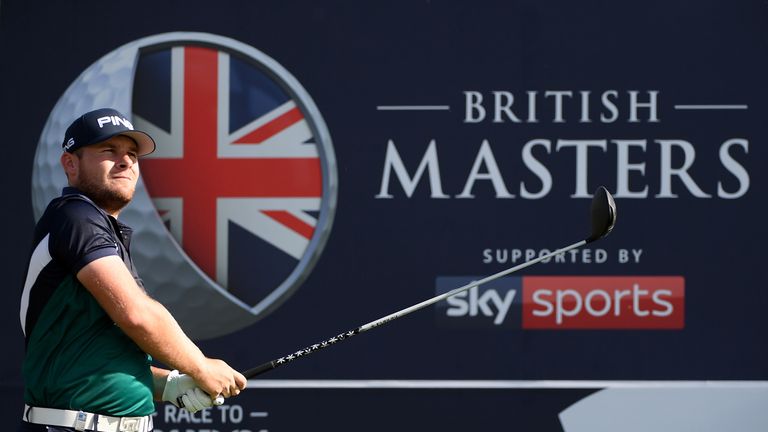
(129,424)
(80,421)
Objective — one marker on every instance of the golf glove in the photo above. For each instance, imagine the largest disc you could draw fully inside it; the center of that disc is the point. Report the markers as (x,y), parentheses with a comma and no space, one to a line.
(182,391)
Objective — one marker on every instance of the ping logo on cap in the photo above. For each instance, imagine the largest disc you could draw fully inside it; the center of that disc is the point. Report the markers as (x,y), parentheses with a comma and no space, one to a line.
(115,120)
(69,144)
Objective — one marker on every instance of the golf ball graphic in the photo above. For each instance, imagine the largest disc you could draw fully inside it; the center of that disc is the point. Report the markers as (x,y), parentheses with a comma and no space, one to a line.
(209,298)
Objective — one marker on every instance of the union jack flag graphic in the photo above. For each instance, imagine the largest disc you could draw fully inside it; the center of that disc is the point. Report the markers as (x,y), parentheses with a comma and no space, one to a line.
(236,176)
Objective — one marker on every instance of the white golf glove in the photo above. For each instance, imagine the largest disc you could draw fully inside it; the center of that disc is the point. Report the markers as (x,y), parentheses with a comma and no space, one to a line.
(182,391)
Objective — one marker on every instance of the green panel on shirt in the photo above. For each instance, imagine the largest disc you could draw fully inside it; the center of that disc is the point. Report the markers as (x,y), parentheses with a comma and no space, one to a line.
(78,359)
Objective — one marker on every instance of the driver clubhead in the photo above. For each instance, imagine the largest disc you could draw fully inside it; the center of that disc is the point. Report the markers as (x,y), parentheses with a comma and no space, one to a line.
(603,214)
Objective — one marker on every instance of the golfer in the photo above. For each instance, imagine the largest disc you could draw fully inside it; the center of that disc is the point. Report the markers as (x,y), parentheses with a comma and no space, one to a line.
(91,330)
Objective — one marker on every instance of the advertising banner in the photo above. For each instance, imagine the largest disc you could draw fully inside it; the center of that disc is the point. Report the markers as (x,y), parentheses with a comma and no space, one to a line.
(320,166)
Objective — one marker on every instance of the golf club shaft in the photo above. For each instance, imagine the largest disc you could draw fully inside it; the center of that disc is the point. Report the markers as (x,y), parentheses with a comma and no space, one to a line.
(250,373)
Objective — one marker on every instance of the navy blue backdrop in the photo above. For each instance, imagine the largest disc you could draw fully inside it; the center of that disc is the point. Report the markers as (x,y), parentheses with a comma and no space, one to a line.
(663,103)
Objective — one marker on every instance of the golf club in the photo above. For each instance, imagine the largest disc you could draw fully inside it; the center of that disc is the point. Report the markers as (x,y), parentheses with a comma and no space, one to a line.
(603,218)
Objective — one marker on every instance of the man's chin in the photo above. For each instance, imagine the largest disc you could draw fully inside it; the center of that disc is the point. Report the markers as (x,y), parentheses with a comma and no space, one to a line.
(111,201)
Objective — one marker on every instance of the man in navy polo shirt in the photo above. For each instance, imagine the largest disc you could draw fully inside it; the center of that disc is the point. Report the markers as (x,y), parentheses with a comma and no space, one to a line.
(90,329)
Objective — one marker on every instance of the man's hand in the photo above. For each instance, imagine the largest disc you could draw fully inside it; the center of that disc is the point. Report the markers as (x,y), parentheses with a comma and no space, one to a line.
(182,391)
(217,378)
(195,400)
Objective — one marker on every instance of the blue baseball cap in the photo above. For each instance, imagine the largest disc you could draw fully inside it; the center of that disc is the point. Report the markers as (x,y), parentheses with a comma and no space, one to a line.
(100,125)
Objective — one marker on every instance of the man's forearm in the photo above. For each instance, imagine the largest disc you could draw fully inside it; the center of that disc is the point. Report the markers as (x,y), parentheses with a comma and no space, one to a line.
(149,324)
(157,333)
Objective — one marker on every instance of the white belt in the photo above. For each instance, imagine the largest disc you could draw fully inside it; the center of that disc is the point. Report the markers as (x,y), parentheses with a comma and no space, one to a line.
(82,420)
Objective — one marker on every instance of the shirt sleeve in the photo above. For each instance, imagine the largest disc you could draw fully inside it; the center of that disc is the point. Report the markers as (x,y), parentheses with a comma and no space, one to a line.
(79,235)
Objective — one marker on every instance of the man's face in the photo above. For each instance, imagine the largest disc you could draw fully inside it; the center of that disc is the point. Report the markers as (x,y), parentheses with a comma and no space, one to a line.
(106,172)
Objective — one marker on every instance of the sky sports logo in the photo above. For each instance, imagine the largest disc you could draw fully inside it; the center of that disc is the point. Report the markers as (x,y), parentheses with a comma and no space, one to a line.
(564,302)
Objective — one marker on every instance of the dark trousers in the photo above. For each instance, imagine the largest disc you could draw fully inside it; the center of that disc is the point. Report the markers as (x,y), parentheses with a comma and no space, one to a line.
(31,427)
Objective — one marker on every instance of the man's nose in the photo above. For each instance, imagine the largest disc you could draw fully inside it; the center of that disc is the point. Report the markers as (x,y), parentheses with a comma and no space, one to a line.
(125,161)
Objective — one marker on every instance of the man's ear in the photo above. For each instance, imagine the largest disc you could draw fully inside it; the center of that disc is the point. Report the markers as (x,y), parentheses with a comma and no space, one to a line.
(71,164)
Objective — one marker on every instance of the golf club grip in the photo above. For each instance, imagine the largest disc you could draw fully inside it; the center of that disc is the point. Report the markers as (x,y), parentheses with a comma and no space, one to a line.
(260,369)
(268,366)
